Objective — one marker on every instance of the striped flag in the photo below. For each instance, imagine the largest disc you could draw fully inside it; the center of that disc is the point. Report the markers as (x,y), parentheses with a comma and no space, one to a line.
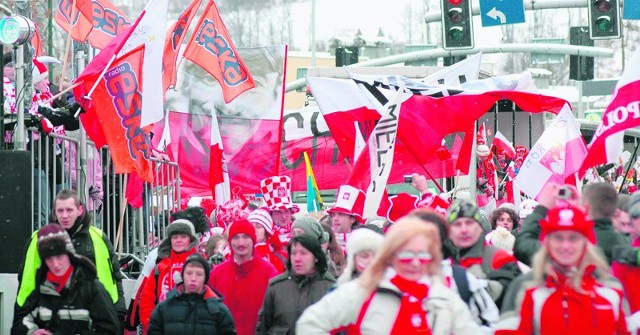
(314,200)
(502,145)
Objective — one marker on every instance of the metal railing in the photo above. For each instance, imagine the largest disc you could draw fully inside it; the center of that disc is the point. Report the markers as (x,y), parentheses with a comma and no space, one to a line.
(132,213)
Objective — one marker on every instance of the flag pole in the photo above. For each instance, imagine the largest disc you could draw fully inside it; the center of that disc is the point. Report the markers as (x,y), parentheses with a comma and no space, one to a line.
(68,43)
(62,92)
(95,85)
(624,177)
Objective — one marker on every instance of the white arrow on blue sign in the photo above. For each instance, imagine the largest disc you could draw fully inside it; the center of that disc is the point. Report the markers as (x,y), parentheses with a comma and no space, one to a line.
(501,12)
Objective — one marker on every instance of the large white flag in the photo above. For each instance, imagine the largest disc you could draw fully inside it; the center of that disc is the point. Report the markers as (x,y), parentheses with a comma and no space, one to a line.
(557,154)
(151,32)
(381,145)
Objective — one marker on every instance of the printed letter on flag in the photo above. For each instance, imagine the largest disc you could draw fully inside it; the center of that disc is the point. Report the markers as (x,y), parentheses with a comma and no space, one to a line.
(117,109)
(556,155)
(211,48)
(381,146)
(151,32)
(108,22)
(622,113)
(81,24)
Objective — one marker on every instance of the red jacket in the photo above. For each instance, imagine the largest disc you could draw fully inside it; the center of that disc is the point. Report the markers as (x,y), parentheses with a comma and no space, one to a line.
(277,259)
(629,276)
(243,287)
(556,308)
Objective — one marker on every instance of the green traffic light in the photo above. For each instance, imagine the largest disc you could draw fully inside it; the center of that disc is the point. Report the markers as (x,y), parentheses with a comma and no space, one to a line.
(456,33)
(603,23)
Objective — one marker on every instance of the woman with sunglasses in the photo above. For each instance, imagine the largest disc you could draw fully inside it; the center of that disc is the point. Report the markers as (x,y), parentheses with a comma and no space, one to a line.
(572,291)
(400,292)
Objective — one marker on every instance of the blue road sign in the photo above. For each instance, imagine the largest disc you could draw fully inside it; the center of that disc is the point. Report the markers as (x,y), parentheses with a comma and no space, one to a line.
(631,10)
(501,12)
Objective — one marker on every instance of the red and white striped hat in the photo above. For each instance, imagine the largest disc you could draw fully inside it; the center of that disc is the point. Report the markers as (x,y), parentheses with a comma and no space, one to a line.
(349,200)
(277,193)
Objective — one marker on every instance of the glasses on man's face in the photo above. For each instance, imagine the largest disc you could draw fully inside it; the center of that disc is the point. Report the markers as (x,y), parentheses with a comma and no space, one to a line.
(423,257)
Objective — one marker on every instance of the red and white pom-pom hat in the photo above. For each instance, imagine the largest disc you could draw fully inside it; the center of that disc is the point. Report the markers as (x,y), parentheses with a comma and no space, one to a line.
(40,70)
(349,200)
(277,193)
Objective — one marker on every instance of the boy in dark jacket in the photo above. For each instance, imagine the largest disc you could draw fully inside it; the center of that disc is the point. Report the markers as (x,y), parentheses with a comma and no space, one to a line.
(192,308)
(68,298)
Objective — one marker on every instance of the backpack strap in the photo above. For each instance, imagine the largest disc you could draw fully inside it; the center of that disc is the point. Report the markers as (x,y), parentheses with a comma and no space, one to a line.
(462,282)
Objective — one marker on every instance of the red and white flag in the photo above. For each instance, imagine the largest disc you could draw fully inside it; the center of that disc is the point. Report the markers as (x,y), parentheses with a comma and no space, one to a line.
(380,149)
(211,48)
(556,156)
(502,145)
(150,32)
(481,136)
(622,113)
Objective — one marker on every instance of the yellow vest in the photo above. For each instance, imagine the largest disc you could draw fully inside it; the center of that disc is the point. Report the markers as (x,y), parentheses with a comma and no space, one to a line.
(102,261)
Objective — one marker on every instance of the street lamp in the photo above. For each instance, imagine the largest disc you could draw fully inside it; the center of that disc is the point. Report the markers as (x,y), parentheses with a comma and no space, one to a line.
(17,30)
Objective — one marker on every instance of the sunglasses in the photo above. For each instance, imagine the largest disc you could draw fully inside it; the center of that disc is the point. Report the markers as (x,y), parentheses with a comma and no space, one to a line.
(423,257)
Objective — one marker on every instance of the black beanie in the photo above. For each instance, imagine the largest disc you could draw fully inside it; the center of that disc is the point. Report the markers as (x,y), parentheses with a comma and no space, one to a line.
(198,258)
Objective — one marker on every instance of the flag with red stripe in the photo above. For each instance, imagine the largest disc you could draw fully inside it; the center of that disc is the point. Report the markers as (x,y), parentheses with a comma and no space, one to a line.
(623,112)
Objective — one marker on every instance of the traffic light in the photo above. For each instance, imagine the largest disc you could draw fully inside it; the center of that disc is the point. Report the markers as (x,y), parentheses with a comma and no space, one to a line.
(604,19)
(457,25)
(580,67)
(346,56)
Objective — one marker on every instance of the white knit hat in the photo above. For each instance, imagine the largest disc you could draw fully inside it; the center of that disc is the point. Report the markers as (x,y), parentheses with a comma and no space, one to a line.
(262,217)
(359,240)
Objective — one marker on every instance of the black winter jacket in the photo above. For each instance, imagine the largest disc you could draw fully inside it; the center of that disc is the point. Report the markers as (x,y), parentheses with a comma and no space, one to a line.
(191,314)
(82,307)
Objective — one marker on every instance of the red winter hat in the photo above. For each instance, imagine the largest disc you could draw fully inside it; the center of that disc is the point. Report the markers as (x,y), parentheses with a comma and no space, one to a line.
(242,226)
(567,218)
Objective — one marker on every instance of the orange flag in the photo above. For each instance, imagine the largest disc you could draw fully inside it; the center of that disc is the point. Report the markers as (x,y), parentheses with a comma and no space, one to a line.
(211,48)
(175,36)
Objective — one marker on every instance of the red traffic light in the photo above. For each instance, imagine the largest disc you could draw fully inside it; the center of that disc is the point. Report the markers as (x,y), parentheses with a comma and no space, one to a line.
(603,5)
(455,2)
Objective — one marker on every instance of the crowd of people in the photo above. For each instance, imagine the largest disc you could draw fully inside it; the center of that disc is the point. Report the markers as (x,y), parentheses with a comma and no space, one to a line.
(560,264)
(566,262)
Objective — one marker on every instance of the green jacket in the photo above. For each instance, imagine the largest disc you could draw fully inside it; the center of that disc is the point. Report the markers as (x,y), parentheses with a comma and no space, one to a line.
(287,297)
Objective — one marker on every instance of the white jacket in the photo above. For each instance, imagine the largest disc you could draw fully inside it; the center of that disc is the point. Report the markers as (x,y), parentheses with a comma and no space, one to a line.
(446,312)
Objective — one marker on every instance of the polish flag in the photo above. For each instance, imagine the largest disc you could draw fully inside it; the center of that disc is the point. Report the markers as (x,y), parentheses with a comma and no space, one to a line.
(622,113)
(503,145)
(556,156)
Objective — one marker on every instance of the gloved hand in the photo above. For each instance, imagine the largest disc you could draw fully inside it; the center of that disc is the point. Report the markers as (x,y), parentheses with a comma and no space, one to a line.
(60,103)
(626,254)
(95,193)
